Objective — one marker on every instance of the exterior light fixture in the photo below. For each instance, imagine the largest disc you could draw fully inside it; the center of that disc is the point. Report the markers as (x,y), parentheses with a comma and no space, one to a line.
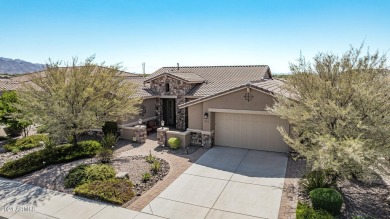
(162,123)
(248,96)
(206,115)
(139,121)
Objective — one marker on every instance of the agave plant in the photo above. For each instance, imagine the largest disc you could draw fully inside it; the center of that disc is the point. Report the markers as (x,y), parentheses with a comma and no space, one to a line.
(109,140)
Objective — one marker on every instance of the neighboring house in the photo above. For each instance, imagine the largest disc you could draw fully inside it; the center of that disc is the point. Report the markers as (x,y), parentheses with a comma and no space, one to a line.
(213,105)
(8,85)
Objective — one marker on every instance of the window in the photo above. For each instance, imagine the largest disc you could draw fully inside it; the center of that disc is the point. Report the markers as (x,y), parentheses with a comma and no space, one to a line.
(166,87)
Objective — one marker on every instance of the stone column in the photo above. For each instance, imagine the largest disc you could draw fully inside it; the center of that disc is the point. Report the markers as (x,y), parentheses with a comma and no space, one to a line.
(207,139)
(140,133)
(162,136)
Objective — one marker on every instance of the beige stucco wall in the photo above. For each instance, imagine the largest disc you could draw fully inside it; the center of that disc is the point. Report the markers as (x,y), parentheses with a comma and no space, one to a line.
(127,133)
(233,100)
(195,116)
(185,137)
(150,105)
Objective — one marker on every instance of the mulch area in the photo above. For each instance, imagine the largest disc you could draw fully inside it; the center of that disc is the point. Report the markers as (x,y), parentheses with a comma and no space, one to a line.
(6,156)
(367,198)
(135,166)
(52,177)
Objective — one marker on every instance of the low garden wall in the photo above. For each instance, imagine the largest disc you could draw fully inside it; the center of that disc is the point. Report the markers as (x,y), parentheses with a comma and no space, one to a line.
(185,137)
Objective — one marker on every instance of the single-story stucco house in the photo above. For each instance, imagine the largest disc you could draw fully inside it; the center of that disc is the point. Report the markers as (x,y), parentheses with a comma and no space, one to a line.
(212,105)
(205,105)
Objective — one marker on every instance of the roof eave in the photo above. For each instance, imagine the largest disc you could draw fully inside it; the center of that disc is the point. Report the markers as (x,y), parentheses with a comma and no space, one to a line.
(202,99)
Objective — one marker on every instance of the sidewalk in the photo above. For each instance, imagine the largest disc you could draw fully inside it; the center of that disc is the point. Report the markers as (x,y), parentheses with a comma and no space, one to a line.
(24,201)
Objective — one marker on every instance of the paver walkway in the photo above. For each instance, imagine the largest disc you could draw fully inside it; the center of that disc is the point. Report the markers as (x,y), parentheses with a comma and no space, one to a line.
(24,201)
(295,170)
(177,163)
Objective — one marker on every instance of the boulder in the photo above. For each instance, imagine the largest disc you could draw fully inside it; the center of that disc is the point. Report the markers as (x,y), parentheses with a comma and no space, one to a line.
(122,175)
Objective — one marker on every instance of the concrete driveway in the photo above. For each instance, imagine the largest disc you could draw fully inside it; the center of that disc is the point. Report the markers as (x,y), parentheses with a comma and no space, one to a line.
(225,183)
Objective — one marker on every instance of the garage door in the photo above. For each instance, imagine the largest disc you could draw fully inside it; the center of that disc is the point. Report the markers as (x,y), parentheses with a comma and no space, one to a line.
(250,131)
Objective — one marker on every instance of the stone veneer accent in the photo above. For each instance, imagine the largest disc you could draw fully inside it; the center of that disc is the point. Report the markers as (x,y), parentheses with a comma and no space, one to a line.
(177,88)
(140,133)
(196,138)
(159,111)
(208,140)
(162,136)
(204,139)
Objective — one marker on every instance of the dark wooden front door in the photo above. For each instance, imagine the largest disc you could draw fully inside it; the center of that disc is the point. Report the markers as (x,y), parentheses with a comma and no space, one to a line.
(169,111)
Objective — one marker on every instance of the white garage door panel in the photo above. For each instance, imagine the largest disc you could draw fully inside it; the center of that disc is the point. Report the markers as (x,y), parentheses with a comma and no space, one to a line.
(250,131)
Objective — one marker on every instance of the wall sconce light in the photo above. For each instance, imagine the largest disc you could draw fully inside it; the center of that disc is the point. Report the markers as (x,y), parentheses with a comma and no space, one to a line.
(139,121)
(206,115)
(162,123)
(248,96)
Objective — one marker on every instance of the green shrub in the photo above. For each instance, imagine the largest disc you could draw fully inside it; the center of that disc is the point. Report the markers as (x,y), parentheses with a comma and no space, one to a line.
(13,129)
(150,158)
(304,211)
(110,127)
(116,191)
(38,159)
(26,143)
(2,138)
(146,177)
(87,173)
(105,155)
(15,150)
(174,143)
(317,179)
(326,199)
(42,129)
(156,166)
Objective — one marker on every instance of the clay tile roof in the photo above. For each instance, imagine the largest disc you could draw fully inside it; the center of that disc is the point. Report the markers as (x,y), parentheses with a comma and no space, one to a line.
(143,89)
(190,77)
(271,86)
(8,84)
(216,78)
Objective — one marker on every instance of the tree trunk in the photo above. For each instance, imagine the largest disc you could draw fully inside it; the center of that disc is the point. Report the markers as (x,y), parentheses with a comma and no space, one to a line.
(74,139)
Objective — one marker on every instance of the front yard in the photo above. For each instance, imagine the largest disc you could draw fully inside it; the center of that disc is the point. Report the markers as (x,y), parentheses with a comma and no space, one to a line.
(133,173)
(136,169)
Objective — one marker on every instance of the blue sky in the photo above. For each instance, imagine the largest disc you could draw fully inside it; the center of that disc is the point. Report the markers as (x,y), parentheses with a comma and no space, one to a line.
(197,32)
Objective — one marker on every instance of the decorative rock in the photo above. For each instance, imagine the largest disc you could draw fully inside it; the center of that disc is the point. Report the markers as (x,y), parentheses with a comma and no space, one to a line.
(122,175)
(388,199)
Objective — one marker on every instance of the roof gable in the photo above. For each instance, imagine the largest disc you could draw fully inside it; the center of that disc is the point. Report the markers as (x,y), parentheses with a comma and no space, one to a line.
(271,87)
(188,77)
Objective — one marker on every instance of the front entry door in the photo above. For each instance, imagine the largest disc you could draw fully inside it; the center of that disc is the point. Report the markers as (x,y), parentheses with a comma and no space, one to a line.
(169,111)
